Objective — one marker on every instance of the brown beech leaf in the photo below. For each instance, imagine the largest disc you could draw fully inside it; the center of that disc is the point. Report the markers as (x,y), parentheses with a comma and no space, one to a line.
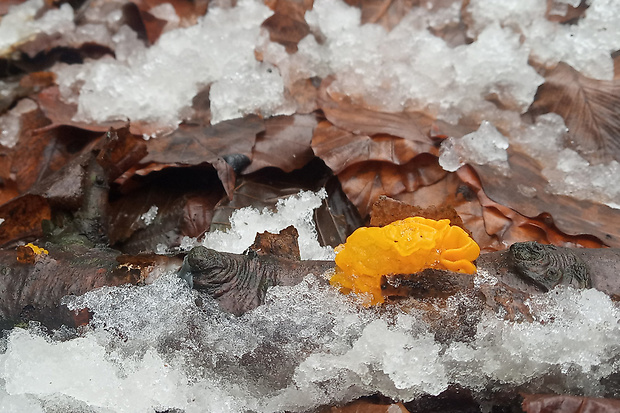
(590,108)
(6,4)
(285,143)
(387,13)
(525,191)
(287,25)
(193,145)
(365,182)
(285,244)
(147,26)
(339,148)
(559,403)
(227,146)
(40,151)
(414,127)
(22,218)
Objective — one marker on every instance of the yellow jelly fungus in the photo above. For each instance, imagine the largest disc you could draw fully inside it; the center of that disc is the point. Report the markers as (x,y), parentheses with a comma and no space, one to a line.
(402,247)
(37,250)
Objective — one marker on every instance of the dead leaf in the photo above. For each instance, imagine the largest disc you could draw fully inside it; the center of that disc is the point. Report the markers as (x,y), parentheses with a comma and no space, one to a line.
(411,126)
(188,10)
(365,182)
(304,93)
(284,144)
(287,25)
(590,108)
(215,145)
(283,244)
(387,210)
(6,4)
(452,191)
(147,26)
(121,150)
(559,403)
(524,194)
(339,148)
(22,218)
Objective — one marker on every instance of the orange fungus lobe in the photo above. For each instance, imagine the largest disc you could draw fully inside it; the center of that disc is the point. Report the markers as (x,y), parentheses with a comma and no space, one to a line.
(402,247)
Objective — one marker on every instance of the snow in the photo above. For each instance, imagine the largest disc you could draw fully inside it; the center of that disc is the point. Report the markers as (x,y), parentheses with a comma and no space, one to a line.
(587,45)
(567,172)
(21,24)
(152,347)
(11,122)
(149,216)
(296,210)
(157,84)
(485,146)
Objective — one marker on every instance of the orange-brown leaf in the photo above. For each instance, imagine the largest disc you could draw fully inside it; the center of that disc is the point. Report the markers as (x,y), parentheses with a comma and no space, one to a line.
(365,182)
(339,148)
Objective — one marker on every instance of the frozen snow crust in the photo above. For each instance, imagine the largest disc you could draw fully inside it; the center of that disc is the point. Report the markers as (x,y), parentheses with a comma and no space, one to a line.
(405,68)
(151,348)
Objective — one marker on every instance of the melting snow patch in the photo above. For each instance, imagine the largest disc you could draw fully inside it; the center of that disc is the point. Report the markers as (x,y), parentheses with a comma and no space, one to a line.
(308,345)
(295,210)
(485,146)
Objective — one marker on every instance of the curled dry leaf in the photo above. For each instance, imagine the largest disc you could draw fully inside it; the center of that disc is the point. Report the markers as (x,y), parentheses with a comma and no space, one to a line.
(121,150)
(524,193)
(411,126)
(590,108)
(387,210)
(187,10)
(339,148)
(284,244)
(163,213)
(284,144)
(147,26)
(365,182)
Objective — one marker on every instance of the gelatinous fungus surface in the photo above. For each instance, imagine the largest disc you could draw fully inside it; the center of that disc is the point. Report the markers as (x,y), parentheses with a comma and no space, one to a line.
(402,247)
